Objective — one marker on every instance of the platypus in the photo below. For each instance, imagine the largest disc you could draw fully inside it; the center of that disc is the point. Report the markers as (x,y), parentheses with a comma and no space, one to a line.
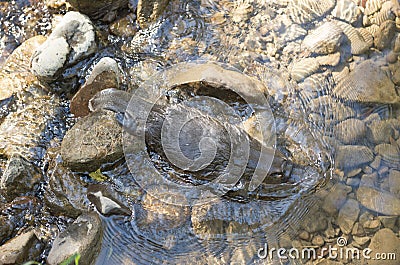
(203,140)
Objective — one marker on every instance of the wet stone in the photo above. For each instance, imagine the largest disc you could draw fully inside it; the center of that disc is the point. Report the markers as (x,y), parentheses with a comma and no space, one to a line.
(348,215)
(394,182)
(379,201)
(384,241)
(20,178)
(388,221)
(352,156)
(336,198)
(369,180)
(94,140)
(72,40)
(83,236)
(318,241)
(315,223)
(125,27)
(105,10)
(65,194)
(105,74)
(106,202)
(385,35)
(380,131)
(350,131)
(20,249)
(6,228)
(358,230)
(148,11)
(361,241)
(15,74)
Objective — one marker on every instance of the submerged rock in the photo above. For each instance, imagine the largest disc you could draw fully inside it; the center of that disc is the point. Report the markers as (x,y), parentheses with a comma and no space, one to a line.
(105,10)
(105,74)
(148,11)
(15,74)
(94,140)
(351,156)
(72,40)
(19,178)
(106,202)
(20,249)
(384,242)
(21,131)
(367,83)
(83,237)
(378,201)
(348,215)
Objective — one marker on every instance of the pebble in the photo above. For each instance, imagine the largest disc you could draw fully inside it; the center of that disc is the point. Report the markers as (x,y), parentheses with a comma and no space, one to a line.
(83,236)
(378,201)
(106,203)
(94,140)
(15,75)
(358,230)
(105,74)
(385,35)
(388,221)
(376,163)
(348,215)
(384,241)
(318,241)
(369,180)
(20,249)
(72,40)
(149,11)
(394,182)
(361,240)
(350,131)
(336,198)
(352,156)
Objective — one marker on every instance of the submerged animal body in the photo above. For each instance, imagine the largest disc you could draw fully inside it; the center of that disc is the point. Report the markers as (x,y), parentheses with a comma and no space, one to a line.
(204,141)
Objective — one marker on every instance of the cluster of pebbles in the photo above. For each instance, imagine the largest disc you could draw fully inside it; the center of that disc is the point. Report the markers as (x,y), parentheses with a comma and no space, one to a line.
(332,67)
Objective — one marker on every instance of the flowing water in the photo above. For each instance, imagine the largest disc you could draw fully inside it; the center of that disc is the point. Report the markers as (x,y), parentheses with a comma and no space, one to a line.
(310,97)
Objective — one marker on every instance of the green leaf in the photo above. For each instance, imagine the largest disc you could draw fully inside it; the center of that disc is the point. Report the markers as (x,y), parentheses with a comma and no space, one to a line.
(97,175)
(74,258)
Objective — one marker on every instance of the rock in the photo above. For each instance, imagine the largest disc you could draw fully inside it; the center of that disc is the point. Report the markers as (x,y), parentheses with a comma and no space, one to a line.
(106,203)
(328,262)
(318,241)
(15,75)
(350,131)
(390,154)
(72,40)
(304,235)
(321,42)
(335,198)
(148,11)
(314,223)
(352,156)
(65,194)
(380,131)
(20,249)
(361,240)
(346,10)
(378,201)
(6,228)
(94,140)
(125,27)
(384,241)
(22,131)
(19,178)
(105,74)
(394,182)
(163,208)
(358,230)
(385,35)
(369,180)
(348,215)
(388,221)
(83,236)
(367,83)
(105,10)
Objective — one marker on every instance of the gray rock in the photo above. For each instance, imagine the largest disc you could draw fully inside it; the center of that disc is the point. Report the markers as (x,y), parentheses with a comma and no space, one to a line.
(336,198)
(65,194)
(358,230)
(105,10)
(369,180)
(394,182)
(106,202)
(72,40)
(148,11)
(19,178)
(315,222)
(94,140)
(351,156)
(385,34)
(388,221)
(105,74)
(350,131)
(380,131)
(378,201)
(348,215)
(21,248)
(83,236)
(384,241)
